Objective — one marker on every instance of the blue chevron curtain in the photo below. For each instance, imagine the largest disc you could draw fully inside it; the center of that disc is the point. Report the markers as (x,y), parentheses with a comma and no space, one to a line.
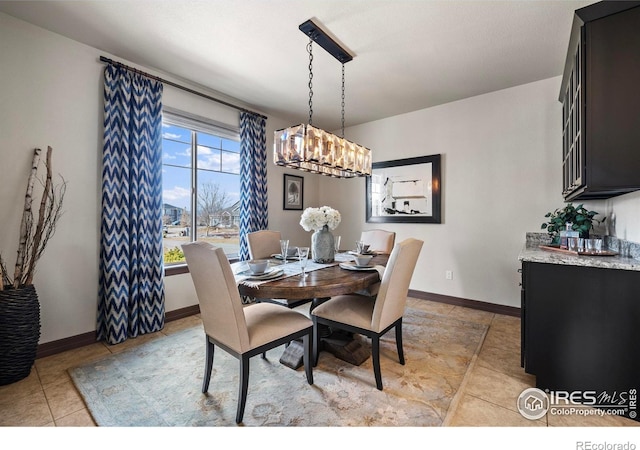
(131,291)
(253,178)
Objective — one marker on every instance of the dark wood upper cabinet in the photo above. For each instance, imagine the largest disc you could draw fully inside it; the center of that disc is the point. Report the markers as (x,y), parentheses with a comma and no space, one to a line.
(600,95)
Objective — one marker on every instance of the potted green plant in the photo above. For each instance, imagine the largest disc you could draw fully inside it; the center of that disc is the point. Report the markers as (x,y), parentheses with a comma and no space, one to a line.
(19,305)
(580,218)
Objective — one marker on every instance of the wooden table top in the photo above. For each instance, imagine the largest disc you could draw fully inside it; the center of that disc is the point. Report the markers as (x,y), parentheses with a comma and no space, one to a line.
(327,282)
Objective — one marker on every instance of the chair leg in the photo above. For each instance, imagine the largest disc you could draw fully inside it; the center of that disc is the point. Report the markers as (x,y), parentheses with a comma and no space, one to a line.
(208,363)
(306,341)
(399,342)
(375,356)
(316,342)
(244,384)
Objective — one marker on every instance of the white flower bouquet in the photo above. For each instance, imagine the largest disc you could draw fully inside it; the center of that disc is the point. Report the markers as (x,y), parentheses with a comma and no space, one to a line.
(317,218)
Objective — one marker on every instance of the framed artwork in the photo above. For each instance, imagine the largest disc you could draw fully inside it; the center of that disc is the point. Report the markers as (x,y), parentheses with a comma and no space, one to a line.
(404,191)
(293,190)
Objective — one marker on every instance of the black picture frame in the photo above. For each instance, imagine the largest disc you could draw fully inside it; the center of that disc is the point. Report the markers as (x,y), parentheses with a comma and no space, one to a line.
(292,192)
(405,191)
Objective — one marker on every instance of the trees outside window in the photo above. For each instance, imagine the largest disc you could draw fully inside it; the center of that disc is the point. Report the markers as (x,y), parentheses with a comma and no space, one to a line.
(201,173)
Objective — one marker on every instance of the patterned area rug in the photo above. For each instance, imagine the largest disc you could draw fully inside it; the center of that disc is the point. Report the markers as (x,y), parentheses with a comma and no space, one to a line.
(158,383)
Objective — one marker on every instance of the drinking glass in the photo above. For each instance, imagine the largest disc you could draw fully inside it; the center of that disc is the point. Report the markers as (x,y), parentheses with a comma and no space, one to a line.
(303,255)
(598,245)
(573,244)
(359,246)
(336,243)
(284,249)
(590,245)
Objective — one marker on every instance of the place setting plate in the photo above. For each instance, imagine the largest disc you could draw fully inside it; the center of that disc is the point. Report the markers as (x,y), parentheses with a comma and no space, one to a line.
(368,252)
(353,266)
(289,258)
(271,272)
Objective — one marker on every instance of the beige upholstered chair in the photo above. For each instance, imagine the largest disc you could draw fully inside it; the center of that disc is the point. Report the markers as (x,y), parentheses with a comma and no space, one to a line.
(373,317)
(380,241)
(264,243)
(242,331)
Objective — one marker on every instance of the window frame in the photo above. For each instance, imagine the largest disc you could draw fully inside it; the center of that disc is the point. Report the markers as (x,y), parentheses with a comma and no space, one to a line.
(196,124)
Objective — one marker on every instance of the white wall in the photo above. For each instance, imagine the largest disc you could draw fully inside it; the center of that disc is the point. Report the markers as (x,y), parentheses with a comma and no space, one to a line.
(501,172)
(625,214)
(49,96)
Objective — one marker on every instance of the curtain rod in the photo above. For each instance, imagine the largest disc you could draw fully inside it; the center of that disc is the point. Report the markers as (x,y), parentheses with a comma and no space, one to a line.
(184,88)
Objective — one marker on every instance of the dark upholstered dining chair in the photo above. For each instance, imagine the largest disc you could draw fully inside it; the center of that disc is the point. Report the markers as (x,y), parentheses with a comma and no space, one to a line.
(373,316)
(241,330)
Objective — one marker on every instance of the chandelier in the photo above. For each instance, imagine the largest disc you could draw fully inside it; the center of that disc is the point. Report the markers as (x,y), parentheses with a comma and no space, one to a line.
(311,149)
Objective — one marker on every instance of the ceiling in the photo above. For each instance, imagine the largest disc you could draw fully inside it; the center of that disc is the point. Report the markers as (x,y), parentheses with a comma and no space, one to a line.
(408,54)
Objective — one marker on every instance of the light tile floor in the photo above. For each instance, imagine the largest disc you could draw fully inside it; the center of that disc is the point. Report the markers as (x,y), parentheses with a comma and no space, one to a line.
(487,396)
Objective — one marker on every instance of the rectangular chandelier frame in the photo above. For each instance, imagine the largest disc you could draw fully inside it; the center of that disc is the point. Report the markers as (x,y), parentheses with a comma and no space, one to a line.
(310,149)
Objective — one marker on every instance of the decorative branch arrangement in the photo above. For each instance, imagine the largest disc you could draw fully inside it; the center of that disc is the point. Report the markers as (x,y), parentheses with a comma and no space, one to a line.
(35,236)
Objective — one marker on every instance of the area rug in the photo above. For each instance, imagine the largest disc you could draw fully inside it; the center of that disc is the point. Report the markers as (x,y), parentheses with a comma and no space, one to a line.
(159,383)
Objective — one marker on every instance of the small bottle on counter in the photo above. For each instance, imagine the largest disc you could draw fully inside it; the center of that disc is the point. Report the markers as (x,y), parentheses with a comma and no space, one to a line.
(568,234)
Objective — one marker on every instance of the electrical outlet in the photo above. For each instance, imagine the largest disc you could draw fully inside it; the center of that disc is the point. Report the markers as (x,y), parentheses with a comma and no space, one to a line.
(448,275)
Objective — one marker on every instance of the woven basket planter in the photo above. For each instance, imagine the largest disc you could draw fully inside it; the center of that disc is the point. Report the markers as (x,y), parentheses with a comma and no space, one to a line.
(19,332)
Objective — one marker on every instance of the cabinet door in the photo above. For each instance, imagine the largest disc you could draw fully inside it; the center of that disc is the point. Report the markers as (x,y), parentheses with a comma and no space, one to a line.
(601,103)
(523,319)
(613,101)
(582,327)
(572,115)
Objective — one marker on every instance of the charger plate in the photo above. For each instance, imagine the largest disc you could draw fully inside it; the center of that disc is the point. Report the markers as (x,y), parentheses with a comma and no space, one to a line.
(272,272)
(289,258)
(368,252)
(352,266)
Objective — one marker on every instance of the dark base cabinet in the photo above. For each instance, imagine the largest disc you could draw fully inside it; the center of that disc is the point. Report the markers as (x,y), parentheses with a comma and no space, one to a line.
(581,328)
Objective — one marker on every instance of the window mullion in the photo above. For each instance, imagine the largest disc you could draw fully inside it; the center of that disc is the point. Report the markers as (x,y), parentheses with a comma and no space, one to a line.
(194,184)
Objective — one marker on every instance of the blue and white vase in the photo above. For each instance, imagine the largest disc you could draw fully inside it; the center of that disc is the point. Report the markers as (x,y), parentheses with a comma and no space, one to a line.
(322,246)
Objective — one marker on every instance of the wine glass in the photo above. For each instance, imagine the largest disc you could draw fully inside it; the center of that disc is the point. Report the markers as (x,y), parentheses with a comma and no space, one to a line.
(284,249)
(336,243)
(303,255)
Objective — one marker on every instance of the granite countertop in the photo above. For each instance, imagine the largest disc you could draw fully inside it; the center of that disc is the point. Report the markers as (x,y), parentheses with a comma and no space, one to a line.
(625,260)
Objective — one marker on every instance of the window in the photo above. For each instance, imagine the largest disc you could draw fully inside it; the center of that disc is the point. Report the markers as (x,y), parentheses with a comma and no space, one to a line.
(201,173)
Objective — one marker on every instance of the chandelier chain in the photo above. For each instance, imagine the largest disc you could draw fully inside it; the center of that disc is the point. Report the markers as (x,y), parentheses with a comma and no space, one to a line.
(310,50)
(342,100)
(313,150)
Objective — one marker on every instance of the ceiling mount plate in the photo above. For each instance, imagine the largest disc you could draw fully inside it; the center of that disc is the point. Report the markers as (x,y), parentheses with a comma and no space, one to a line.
(318,35)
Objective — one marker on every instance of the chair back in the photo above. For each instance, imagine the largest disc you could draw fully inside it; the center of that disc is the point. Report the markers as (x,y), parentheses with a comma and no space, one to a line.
(381,241)
(220,304)
(264,243)
(394,286)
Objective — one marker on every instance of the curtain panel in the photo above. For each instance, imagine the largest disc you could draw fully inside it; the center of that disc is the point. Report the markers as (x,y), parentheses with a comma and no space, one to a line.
(253,178)
(131,291)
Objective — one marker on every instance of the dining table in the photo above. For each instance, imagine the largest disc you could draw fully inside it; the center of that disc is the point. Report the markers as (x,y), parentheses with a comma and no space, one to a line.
(321,282)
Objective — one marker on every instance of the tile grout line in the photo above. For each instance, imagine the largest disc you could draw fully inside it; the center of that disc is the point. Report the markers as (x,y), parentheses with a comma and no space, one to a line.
(46,398)
(461,390)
